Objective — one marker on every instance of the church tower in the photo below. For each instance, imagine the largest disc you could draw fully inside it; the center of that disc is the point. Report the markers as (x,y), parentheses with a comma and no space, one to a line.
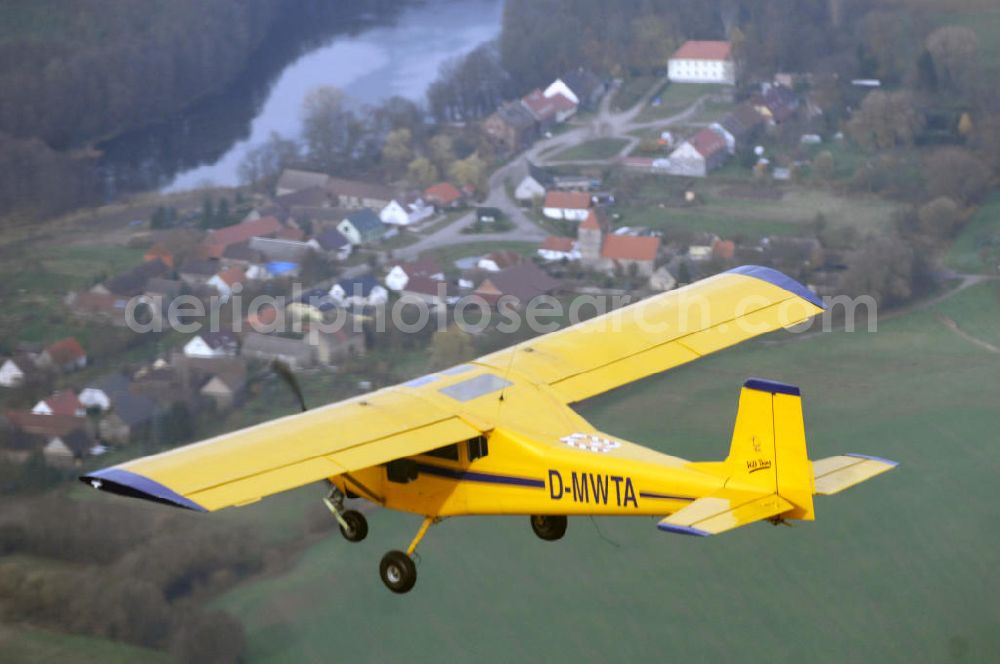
(590,237)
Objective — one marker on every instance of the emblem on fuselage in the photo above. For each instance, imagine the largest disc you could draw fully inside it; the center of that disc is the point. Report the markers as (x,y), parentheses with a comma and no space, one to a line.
(590,442)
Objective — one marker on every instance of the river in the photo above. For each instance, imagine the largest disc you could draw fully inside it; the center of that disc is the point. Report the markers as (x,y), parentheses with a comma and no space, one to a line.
(370,57)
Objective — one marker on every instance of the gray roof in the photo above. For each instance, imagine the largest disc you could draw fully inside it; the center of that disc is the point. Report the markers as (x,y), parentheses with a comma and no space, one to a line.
(516,115)
(134,409)
(281,250)
(133,281)
(365,220)
(205,268)
(111,384)
(311,196)
(296,180)
(331,239)
(582,82)
(359,189)
(268,345)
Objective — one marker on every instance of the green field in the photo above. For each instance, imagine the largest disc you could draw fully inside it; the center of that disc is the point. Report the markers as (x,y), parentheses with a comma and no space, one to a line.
(977,247)
(899,569)
(600,148)
(674,98)
(30,644)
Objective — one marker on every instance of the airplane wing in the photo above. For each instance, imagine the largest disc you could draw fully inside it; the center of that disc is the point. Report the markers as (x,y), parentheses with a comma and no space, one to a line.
(242,467)
(661,332)
(724,511)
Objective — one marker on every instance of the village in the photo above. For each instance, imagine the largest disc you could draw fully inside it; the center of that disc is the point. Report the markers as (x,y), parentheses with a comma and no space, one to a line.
(557,218)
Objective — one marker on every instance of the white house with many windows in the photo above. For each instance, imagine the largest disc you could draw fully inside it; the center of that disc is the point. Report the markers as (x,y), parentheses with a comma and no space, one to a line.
(703,62)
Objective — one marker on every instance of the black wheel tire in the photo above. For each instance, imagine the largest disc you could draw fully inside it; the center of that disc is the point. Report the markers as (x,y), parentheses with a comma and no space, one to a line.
(549,528)
(359,526)
(398,572)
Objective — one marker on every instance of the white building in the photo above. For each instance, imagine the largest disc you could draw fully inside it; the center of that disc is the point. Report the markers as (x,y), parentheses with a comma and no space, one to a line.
(406,213)
(11,375)
(703,62)
(528,190)
(569,205)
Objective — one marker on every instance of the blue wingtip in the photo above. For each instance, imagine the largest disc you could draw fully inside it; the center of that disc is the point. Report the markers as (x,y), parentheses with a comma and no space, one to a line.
(780,280)
(126,483)
(682,530)
(772,386)
(874,458)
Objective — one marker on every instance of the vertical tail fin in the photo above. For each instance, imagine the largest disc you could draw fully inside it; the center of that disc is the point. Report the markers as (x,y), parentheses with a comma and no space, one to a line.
(768,450)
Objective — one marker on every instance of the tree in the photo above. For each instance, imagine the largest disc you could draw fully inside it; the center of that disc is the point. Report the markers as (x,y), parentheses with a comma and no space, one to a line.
(953,51)
(470,171)
(330,130)
(940,217)
(885,120)
(823,166)
(884,268)
(397,151)
(422,173)
(956,173)
(451,346)
(262,164)
(442,149)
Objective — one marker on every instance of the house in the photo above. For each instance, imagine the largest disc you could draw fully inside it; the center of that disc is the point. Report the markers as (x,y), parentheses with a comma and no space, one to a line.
(400,274)
(332,243)
(333,346)
(217,240)
(488,215)
(742,125)
(241,255)
(703,62)
(225,388)
(700,154)
(602,250)
(63,402)
(165,289)
(495,261)
(581,86)
(99,307)
(362,226)
(662,279)
(281,250)
(569,205)
(355,194)
(225,281)
(69,449)
(293,352)
(519,284)
(195,273)
(556,248)
(529,189)
(435,293)
(159,252)
(64,355)
(43,425)
(18,370)
(132,282)
(131,417)
(101,393)
(292,180)
(548,111)
(511,128)
(359,291)
(776,103)
(444,195)
(212,344)
(318,196)
(406,211)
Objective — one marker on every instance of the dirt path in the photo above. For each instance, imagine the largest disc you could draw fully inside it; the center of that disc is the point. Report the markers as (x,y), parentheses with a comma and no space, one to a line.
(953,326)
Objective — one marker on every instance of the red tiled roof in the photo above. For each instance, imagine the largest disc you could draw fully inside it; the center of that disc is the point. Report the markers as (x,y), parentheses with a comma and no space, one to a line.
(505,258)
(219,239)
(233,275)
(98,303)
(426,286)
(562,102)
(556,243)
(629,247)
(703,50)
(158,251)
(43,425)
(443,193)
(65,403)
(424,267)
(591,223)
(567,200)
(291,233)
(264,316)
(724,249)
(65,351)
(707,142)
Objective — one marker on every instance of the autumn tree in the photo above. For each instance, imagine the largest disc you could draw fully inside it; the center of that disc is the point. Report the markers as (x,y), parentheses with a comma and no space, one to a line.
(263,163)
(451,346)
(956,173)
(954,53)
(329,128)
(470,171)
(939,218)
(442,151)
(397,151)
(885,120)
(422,173)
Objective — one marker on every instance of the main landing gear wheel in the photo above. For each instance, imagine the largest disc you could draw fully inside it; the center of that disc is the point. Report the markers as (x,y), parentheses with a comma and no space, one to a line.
(358,526)
(549,528)
(398,572)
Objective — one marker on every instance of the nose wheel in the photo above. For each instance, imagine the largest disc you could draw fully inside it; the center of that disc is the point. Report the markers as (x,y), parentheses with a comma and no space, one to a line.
(353,524)
(549,527)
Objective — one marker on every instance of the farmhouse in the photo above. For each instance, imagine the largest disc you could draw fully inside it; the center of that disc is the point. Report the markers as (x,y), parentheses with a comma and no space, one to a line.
(603,251)
(399,276)
(293,180)
(700,154)
(556,248)
(355,194)
(212,344)
(581,86)
(703,62)
(406,211)
(444,195)
(217,240)
(17,371)
(362,226)
(569,205)
(64,355)
(512,127)
(521,283)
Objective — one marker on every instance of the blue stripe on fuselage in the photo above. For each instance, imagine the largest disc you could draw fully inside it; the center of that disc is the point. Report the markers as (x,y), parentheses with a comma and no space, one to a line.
(662,496)
(469,476)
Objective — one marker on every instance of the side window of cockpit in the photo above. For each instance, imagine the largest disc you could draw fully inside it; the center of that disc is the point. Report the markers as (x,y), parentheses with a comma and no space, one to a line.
(449,452)
(478,447)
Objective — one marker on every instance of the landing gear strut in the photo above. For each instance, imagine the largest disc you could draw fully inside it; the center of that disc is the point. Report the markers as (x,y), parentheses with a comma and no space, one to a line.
(397,569)
(353,524)
(548,527)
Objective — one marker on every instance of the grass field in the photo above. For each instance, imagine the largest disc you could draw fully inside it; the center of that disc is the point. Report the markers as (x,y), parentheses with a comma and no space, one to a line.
(674,98)
(600,148)
(899,569)
(31,644)
(631,91)
(977,247)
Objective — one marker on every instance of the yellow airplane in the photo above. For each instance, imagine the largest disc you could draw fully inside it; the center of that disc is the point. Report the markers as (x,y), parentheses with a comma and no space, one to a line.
(497,435)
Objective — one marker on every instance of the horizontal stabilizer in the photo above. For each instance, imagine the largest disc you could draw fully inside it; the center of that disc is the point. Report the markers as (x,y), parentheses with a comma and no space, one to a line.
(716,514)
(834,474)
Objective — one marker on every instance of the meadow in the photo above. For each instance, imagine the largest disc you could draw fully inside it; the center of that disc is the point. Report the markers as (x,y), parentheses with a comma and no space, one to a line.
(898,569)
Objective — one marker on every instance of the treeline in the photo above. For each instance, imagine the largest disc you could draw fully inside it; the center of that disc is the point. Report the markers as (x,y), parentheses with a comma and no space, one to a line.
(131,573)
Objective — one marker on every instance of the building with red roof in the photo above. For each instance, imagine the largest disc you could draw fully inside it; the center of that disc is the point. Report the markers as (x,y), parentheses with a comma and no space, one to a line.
(701,154)
(217,240)
(703,62)
(556,248)
(444,195)
(63,402)
(64,355)
(569,205)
